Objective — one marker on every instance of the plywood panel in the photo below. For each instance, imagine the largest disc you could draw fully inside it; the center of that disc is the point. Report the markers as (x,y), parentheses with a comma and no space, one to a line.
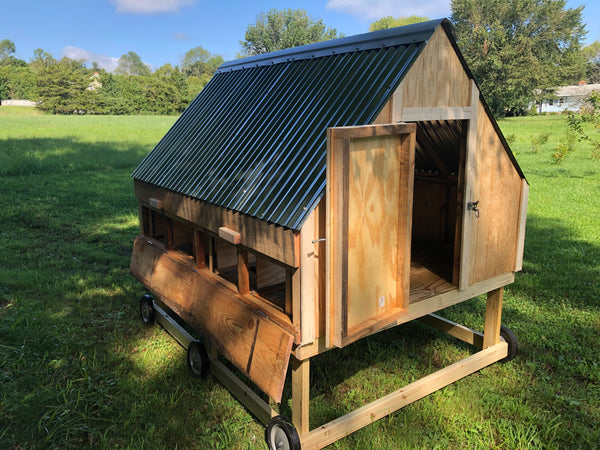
(369,210)
(437,78)
(373,226)
(256,345)
(498,189)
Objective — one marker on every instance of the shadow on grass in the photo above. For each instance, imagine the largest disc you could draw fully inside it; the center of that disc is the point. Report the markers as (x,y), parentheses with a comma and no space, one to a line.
(78,368)
(39,156)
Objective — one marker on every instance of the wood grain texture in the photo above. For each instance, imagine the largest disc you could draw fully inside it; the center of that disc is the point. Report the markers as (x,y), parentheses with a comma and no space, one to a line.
(357,419)
(231,236)
(256,345)
(370,185)
(497,185)
(437,78)
(273,241)
(522,223)
(493,317)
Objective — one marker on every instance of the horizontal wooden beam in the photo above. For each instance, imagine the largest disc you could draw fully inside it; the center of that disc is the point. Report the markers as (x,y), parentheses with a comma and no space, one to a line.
(273,241)
(230,236)
(155,203)
(345,425)
(453,329)
(438,113)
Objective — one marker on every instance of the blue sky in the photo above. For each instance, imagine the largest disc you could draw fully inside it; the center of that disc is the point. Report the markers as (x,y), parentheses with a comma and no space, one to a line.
(161,31)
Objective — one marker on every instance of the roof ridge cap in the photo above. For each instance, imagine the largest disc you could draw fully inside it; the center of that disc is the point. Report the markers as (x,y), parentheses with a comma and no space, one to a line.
(391,37)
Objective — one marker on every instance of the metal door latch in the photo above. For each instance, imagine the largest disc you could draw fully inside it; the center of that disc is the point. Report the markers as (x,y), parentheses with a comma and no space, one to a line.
(473,206)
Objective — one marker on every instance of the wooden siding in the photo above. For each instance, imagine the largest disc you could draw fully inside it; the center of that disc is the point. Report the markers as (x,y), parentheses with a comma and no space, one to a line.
(255,344)
(274,241)
(497,186)
(437,78)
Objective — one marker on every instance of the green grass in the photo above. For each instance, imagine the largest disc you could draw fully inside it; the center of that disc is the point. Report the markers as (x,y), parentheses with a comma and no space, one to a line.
(78,368)
(19,111)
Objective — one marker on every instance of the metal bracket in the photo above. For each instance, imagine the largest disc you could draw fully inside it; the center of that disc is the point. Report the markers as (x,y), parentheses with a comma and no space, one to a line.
(473,206)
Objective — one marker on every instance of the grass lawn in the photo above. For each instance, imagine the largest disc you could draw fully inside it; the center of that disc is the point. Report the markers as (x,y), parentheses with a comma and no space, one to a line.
(79,369)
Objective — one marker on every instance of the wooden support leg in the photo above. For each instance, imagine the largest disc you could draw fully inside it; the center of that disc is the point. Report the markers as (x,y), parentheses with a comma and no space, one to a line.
(243,275)
(493,318)
(199,250)
(300,394)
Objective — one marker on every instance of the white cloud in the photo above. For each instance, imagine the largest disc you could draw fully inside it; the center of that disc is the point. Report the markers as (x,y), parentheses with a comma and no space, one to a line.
(107,63)
(376,9)
(150,6)
(181,37)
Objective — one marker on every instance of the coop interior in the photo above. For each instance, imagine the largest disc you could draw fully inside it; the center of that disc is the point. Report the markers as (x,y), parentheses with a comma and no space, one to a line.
(439,156)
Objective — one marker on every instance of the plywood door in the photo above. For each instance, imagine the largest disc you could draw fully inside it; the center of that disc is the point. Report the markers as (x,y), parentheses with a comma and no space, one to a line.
(369,194)
(490,234)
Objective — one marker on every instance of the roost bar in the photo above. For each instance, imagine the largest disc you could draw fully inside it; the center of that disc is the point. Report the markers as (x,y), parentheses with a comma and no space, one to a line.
(310,197)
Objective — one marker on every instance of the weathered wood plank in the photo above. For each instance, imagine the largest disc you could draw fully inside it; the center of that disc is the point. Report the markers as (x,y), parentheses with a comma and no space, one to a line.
(471,175)
(231,236)
(351,422)
(493,318)
(436,113)
(268,239)
(437,78)
(300,395)
(369,195)
(522,223)
(256,345)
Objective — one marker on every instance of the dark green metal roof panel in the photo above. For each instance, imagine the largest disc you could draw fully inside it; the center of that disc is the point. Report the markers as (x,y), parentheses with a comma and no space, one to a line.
(254,139)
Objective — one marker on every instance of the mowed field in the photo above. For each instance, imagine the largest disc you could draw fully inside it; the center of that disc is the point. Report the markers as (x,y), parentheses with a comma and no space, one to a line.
(79,369)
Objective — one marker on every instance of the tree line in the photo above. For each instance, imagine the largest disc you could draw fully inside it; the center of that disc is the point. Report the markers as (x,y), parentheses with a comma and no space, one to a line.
(517,50)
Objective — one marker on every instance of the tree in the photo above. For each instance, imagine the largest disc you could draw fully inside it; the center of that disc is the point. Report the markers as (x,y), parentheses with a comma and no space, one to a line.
(7,48)
(279,29)
(132,64)
(516,48)
(41,59)
(389,22)
(592,57)
(62,86)
(199,61)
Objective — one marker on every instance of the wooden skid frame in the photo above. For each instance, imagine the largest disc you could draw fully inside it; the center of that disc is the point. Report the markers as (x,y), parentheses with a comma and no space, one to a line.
(361,417)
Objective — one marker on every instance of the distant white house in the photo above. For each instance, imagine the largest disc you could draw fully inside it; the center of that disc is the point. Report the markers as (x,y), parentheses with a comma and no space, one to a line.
(17,103)
(95,82)
(567,98)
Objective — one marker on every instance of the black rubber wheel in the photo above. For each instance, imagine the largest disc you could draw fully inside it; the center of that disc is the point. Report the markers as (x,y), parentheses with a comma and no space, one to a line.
(511,340)
(281,435)
(197,358)
(147,311)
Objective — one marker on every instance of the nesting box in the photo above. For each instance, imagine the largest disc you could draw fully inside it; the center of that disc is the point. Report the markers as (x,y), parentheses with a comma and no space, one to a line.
(311,197)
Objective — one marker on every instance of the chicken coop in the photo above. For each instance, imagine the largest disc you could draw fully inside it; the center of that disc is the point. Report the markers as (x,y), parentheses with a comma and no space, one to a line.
(314,196)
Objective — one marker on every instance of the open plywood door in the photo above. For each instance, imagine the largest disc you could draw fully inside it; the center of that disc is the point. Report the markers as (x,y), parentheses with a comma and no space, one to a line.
(370,175)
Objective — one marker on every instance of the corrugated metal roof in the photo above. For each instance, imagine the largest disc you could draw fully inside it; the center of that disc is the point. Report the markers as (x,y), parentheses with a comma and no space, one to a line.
(254,139)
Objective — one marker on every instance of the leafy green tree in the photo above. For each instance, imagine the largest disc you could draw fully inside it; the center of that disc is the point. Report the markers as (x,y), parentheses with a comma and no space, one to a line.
(592,56)
(41,59)
(199,61)
(280,29)
(17,82)
(62,87)
(7,48)
(515,47)
(132,64)
(390,22)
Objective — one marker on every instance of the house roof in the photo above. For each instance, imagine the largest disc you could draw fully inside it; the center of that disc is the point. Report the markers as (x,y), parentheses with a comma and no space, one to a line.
(577,91)
(254,139)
